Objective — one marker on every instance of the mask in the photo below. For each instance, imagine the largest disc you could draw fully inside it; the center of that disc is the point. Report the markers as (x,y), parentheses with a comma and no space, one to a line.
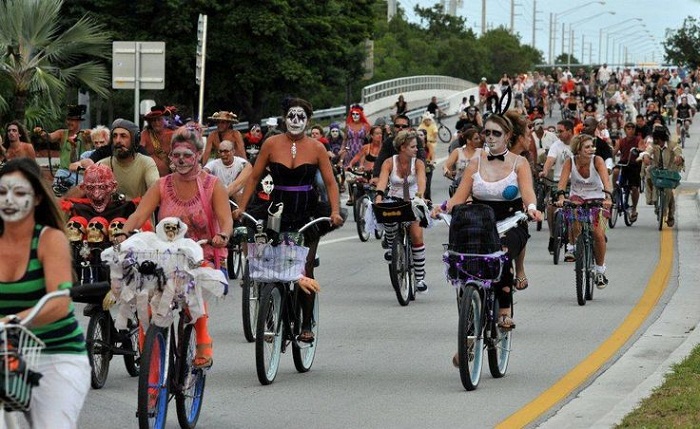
(97,230)
(335,132)
(17,199)
(98,185)
(267,184)
(296,120)
(355,116)
(116,227)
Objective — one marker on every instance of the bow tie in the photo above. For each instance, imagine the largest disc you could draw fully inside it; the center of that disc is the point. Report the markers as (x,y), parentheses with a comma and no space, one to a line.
(502,157)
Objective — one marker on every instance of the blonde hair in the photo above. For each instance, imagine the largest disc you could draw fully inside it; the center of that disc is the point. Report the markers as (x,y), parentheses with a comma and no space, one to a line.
(100,129)
(577,142)
(188,133)
(402,138)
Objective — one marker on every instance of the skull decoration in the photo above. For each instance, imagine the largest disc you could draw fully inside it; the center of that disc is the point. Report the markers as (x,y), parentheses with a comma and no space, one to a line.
(171,229)
(267,184)
(116,227)
(97,230)
(76,228)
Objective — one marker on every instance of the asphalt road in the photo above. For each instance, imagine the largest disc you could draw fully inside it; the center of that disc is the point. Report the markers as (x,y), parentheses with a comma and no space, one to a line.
(381,365)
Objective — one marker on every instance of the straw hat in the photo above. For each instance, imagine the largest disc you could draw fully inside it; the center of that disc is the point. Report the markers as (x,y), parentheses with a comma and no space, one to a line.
(223,115)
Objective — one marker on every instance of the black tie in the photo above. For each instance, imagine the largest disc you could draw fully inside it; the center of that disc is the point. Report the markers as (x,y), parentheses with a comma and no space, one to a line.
(502,157)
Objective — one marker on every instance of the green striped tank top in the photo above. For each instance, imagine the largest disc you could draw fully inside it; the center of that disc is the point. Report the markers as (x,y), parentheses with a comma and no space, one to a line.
(61,336)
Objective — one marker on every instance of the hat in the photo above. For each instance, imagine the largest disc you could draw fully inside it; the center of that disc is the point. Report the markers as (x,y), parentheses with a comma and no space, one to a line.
(334,125)
(127,125)
(271,122)
(157,112)
(426,115)
(223,115)
(483,79)
(76,112)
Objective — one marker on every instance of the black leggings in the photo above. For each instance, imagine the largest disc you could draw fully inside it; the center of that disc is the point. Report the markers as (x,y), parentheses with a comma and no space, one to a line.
(306,300)
(515,241)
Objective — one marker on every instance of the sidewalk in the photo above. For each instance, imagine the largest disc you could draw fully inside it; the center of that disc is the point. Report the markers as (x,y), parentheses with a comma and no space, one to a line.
(666,341)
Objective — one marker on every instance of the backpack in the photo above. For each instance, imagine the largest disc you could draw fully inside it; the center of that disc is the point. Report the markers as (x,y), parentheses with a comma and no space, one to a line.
(473,229)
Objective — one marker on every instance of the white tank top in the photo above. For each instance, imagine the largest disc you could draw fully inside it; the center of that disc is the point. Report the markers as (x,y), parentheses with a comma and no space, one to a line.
(396,182)
(590,188)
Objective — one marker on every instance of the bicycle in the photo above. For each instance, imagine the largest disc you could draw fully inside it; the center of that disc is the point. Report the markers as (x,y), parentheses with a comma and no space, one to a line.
(621,197)
(543,187)
(561,234)
(444,133)
(473,276)
(585,263)
(685,130)
(664,182)
(363,194)
(277,269)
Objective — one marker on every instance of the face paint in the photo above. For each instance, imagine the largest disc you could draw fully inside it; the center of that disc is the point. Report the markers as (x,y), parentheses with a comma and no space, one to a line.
(296,120)
(355,116)
(494,140)
(183,158)
(17,199)
(335,132)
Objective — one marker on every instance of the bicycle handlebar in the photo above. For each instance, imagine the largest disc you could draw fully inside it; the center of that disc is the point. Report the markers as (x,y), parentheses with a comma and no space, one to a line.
(315,221)
(502,226)
(245,214)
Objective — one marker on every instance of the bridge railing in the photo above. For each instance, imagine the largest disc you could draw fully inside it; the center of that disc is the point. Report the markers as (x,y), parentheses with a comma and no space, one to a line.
(389,88)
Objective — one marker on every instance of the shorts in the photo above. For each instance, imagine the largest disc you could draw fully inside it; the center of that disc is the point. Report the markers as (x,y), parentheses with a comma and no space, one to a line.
(631,175)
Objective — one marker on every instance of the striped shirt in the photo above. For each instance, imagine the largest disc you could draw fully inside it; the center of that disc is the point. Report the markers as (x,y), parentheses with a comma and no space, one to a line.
(63,335)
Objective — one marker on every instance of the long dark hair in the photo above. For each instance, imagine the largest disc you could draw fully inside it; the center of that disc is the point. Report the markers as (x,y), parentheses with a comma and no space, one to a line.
(23,137)
(47,212)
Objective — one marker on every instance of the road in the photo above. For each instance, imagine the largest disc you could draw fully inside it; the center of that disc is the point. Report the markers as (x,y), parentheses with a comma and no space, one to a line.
(382,365)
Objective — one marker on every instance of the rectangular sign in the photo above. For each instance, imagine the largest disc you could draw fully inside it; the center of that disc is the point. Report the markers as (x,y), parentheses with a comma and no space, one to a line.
(144,61)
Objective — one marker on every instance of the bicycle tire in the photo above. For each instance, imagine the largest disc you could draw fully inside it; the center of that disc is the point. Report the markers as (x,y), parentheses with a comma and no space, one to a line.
(398,269)
(470,341)
(499,348)
(661,203)
(99,347)
(191,381)
(590,269)
(234,261)
(541,202)
(250,305)
(269,335)
(444,134)
(615,208)
(626,213)
(132,363)
(378,233)
(304,353)
(581,268)
(360,208)
(558,234)
(153,386)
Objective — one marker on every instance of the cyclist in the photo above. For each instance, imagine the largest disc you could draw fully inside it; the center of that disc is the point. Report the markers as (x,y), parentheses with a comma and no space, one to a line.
(404,174)
(629,148)
(684,112)
(662,153)
(543,140)
(459,158)
(589,182)
(232,170)
(36,260)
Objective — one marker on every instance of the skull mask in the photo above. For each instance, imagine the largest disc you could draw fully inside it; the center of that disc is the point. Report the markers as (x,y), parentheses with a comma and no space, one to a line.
(97,230)
(267,184)
(76,228)
(116,227)
(171,229)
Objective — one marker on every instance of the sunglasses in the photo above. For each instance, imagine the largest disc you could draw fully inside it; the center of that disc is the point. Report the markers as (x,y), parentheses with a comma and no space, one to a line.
(401,126)
(495,133)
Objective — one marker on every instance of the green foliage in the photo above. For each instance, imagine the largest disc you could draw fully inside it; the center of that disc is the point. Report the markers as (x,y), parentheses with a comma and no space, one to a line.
(564,59)
(682,46)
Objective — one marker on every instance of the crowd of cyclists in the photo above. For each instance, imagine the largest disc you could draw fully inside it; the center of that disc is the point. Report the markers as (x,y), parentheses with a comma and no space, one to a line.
(608,123)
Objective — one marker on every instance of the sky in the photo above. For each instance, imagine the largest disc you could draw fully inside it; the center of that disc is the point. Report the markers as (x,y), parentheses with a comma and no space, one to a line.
(637,36)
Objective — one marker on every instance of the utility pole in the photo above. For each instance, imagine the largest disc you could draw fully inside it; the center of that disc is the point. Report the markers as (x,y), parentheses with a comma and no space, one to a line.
(390,9)
(483,17)
(551,37)
(512,16)
(534,21)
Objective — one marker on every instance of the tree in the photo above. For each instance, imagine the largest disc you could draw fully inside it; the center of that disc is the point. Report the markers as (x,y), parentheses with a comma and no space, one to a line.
(40,59)
(682,46)
(505,54)
(564,59)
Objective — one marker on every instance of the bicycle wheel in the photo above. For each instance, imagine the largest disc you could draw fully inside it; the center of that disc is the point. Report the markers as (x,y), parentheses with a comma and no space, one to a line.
(132,362)
(559,233)
(99,347)
(153,380)
(626,206)
(661,207)
(398,268)
(361,205)
(268,339)
(470,342)
(444,134)
(615,208)
(234,261)
(581,271)
(190,381)
(499,344)
(590,269)
(250,305)
(303,352)
(541,205)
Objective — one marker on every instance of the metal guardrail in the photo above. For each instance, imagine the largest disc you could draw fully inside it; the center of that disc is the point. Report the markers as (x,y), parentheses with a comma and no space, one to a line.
(393,87)
(333,112)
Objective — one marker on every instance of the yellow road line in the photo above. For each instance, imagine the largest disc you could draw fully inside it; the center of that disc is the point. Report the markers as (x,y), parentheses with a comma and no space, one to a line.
(589,366)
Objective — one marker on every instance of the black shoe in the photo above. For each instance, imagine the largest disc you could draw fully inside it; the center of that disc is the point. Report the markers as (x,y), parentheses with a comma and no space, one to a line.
(551,245)
(421,286)
(387,256)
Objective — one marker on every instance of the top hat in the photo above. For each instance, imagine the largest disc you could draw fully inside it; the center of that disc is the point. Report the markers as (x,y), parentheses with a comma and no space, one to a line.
(76,112)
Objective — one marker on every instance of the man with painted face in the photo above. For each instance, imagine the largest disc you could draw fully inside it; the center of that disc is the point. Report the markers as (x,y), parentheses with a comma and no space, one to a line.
(293,159)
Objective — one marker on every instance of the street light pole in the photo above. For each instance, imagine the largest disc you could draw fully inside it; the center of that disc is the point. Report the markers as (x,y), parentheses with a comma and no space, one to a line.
(600,37)
(553,26)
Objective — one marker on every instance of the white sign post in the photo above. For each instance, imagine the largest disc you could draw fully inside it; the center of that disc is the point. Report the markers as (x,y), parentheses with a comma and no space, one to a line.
(137,66)
(201,62)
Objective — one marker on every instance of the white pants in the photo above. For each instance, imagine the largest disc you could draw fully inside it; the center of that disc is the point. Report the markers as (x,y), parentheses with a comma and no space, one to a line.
(57,401)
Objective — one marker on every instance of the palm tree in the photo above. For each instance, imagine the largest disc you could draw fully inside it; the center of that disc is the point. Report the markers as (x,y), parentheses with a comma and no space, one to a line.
(40,58)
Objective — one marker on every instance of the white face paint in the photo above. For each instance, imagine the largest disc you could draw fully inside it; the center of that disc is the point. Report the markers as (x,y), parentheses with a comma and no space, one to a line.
(296,120)
(17,199)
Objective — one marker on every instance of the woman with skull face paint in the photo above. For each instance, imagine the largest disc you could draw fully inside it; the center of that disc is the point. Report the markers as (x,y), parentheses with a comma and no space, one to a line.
(198,199)
(357,129)
(35,260)
(293,160)
(336,143)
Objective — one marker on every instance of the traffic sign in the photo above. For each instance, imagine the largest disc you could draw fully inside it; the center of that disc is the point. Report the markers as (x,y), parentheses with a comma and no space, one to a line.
(138,65)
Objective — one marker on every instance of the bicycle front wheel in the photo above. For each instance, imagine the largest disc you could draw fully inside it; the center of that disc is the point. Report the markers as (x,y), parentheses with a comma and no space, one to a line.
(581,271)
(470,342)
(398,268)
(190,382)
(268,339)
(661,207)
(615,208)
(99,347)
(304,352)
(499,343)
(132,362)
(559,234)
(250,304)
(444,134)
(361,206)
(235,261)
(153,380)
(590,269)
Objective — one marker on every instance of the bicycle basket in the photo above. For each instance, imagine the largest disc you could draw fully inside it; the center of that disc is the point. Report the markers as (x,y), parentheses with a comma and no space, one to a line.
(19,351)
(662,178)
(282,263)
(461,267)
(393,211)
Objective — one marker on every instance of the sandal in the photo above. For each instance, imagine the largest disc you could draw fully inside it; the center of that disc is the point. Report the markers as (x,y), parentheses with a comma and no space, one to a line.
(506,323)
(204,357)
(306,336)
(633,216)
(350,203)
(521,283)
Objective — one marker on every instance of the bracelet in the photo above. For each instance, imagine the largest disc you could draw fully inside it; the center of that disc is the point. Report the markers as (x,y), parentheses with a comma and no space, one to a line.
(531,207)
(561,192)
(443,206)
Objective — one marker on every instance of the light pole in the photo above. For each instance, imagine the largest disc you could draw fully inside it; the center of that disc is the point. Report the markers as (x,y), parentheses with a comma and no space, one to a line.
(620,39)
(600,35)
(607,38)
(553,24)
(571,32)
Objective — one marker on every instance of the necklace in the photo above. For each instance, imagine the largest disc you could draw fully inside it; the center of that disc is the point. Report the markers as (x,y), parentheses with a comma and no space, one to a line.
(294,146)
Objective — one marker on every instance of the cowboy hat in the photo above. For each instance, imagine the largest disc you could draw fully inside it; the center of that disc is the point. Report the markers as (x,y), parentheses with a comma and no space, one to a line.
(223,115)
(157,112)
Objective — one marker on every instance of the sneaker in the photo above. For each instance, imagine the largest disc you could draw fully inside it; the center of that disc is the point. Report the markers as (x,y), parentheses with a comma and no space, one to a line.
(569,256)
(551,245)
(601,281)
(421,286)
(387,256)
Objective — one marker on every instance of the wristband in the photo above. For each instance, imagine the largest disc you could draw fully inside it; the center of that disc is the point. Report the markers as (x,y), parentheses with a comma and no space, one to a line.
(443,206)
(531,207)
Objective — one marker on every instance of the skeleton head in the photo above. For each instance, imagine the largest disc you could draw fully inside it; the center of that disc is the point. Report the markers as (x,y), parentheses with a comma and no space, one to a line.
(267,184)
(116,226)
(97,230)
(171,229)
(76,228)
